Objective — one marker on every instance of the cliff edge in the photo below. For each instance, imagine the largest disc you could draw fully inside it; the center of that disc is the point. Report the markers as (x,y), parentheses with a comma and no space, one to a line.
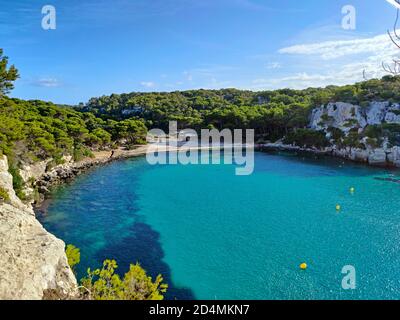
(33,264)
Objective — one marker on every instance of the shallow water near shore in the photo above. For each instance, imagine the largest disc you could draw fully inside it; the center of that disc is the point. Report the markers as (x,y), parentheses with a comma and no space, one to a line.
(215,235)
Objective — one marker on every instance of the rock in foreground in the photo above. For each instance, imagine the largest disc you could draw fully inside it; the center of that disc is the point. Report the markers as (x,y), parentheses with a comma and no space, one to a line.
(33,264)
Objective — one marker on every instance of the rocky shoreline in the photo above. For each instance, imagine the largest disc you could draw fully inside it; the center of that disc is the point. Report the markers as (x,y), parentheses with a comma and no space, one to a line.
(33,263)
(67,172)
(365,125)
(45,179)
(373,157)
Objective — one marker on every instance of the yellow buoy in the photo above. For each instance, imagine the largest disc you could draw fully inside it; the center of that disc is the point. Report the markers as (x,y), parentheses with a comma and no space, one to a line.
(338,207)
(303,266)
(352,190)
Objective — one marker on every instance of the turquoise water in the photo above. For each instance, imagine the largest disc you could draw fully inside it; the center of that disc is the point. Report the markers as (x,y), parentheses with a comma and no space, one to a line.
(214,235)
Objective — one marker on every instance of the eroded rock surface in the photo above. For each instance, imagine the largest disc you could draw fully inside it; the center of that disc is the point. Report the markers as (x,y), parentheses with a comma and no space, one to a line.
(348,117)
(33,264)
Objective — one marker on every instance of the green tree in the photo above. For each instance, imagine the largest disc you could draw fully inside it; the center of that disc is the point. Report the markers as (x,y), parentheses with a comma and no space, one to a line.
(73,255)
(105,284)
(134,131)
(7,75)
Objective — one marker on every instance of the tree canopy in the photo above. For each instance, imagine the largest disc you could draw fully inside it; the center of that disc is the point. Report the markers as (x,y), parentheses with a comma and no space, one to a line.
(7,75)
(106,284)
(272,114)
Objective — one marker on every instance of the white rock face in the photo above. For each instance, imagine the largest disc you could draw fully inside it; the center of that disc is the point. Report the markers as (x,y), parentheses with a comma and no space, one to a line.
(359,155)
(343,116)
(32,261)
(376,112)
(33,171)
(33,264)
(377,157)
(6,182)
(346,116)
(394,156)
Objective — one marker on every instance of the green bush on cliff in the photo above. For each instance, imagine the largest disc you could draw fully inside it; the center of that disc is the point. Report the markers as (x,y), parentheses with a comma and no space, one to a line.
(336,134)
(352,140)
(390,131)
(18,182)
(105,284)
(73,255)
(4,197)
(373,131)
(80,152)
(307,138)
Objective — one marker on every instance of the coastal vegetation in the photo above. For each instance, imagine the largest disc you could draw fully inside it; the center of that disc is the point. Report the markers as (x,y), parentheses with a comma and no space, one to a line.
(73,256)
(35,130)
(32,131)
(4,197)
(7,75)
(307,137)
(273,114)
(106,284)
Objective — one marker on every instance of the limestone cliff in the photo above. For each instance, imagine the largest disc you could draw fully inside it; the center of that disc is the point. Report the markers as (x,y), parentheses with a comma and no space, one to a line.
(349,118)
(346,116)
(33,264)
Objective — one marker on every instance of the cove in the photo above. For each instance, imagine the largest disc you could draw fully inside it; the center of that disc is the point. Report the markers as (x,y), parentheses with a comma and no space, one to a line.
(215,235)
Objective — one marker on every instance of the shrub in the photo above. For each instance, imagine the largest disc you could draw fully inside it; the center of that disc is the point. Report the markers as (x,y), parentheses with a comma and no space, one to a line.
(105,284)
(373,142)
(353,140)
(373,131)
(326,118)
(4,197)
(81,152)
(307,138)
(336,134)
(18,182)
(392,132)
(73,256)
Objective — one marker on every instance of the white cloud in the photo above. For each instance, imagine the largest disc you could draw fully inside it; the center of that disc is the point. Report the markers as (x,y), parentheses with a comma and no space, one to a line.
(273,65)
(329,50)
(47,82)
(333,63)
(148,84)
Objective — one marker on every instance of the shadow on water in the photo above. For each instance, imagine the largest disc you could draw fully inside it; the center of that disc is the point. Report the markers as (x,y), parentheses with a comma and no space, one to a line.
(309,163)
(143,245)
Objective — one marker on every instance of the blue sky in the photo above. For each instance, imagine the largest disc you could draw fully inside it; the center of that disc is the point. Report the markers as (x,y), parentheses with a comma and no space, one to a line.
(102,47)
